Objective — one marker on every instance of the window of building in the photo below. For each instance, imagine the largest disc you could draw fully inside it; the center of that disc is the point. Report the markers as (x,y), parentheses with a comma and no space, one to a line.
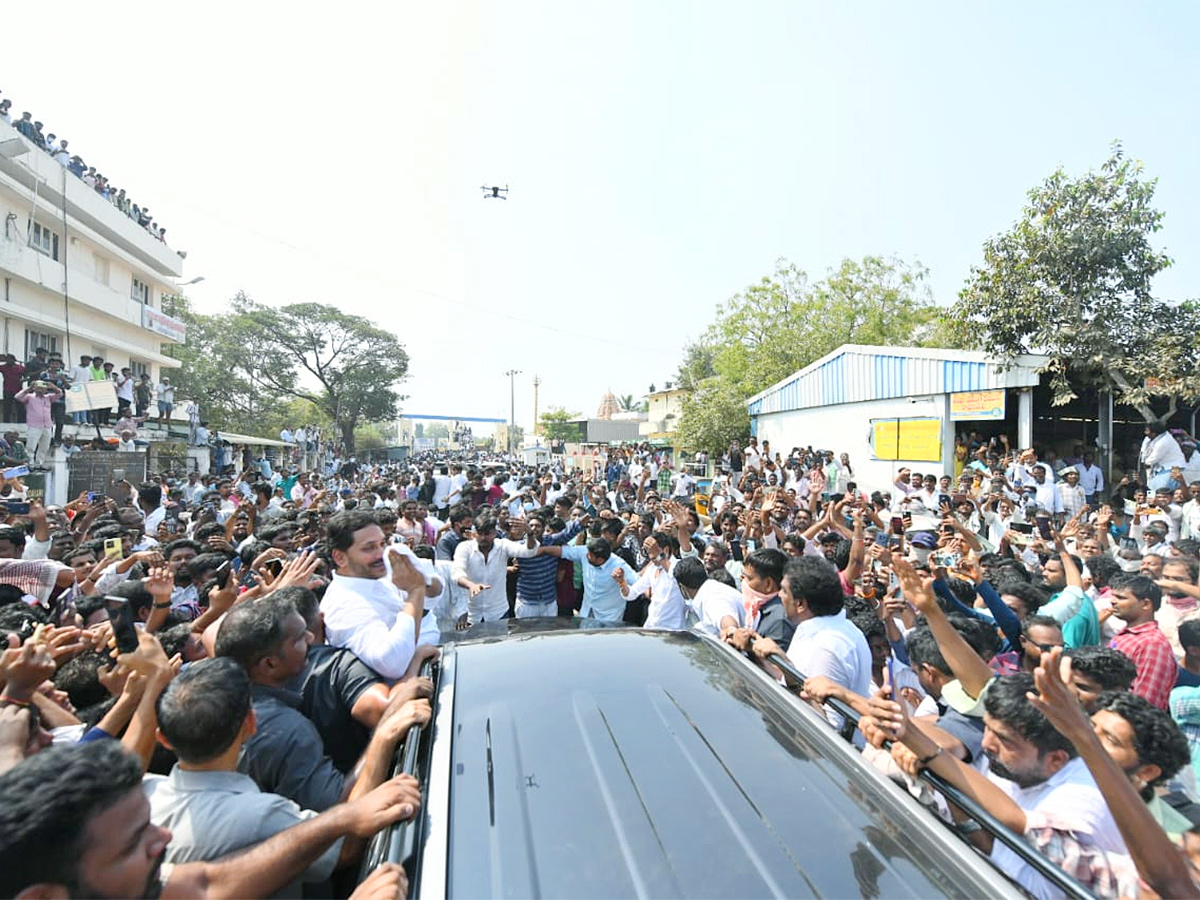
(101,268)
(43,240)
(35,339)
(138,368)
(140,292)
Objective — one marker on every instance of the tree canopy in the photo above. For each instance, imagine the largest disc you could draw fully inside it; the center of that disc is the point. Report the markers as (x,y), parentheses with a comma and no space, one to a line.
(783,323)
(557,424)
(256,365)
(1072,280)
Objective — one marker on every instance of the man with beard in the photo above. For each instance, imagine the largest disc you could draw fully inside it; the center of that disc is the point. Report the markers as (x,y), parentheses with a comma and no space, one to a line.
(377,617)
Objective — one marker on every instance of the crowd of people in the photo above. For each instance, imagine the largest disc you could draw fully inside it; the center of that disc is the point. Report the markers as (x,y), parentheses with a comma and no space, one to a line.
(1042,657)
(56,147)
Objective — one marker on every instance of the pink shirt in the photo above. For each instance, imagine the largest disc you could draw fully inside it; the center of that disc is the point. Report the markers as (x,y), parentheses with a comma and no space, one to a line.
(37,407)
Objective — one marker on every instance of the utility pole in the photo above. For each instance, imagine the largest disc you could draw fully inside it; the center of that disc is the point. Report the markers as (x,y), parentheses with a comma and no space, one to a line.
(512,406)
(537,425)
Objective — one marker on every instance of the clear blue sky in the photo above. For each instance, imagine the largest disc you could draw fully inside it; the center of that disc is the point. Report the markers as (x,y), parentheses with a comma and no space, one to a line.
(661,155)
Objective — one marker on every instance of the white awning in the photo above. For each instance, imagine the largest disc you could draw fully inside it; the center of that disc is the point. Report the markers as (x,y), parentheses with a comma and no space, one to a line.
(232,437)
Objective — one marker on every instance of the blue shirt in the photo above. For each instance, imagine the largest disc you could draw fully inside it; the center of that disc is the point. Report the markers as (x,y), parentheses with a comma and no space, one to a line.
(537,576)
(601,597)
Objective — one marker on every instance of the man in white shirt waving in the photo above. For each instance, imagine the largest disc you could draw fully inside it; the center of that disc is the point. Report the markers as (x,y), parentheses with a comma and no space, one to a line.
(481,567)
(365,611)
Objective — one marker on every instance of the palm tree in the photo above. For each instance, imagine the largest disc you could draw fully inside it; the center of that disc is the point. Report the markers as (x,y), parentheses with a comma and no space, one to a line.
(626,403)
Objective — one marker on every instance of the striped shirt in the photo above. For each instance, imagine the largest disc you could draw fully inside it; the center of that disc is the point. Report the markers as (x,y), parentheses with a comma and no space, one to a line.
(537,576)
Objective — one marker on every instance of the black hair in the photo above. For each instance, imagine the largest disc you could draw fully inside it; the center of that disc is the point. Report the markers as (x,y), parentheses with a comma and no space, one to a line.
(814,581)
(302,600)
(203,709)
(9,594)
(690,572)
(424,551)
(1102,568)
(87,605)
(174,639)
(460,511)
(174,545)
(1156,738)
(768,563)
(1189,633)
(1033,597)
(1140,586)
(1187,547)
(80,678)
(135,593)
(794,538)
(149,494)
(1193,565)
(253,631)
(342,527)
(870,626)
(387,516)
(15,536)
(1005,702)
(611,526)
(722,575)
(206,563)
(981,635)
(858,606)
(962,590)
(600,548)
(923,649)
(1111,669)
(485,522)
(1033,620)
(49,799)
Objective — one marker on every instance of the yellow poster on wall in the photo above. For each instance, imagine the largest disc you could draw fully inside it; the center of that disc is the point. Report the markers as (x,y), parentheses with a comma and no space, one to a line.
(916,440)
(972,406)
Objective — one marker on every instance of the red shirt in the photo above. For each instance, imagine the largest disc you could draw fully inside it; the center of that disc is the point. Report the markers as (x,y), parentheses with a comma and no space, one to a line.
(1151,652)
(12,377)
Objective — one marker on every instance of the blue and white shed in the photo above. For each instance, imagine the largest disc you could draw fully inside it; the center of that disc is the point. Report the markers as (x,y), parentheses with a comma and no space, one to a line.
(891,407)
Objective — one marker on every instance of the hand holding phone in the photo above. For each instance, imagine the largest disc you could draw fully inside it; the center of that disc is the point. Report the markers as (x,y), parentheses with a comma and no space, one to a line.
(121,616)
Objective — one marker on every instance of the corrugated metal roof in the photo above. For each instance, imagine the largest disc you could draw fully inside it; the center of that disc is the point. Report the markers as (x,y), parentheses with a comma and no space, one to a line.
(854,373)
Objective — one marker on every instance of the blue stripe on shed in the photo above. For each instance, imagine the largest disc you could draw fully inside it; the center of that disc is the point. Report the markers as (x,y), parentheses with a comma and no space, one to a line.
(962,376)
(890,374)
(833,381)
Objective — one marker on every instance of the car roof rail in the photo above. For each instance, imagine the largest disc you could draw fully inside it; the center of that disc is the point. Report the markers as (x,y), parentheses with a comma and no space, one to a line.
(400,843)
(999,831)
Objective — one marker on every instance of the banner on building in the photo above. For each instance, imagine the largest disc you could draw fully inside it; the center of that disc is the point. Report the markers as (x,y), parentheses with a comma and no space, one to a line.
(160,323)
(975,406)
(91,395)
(912,440)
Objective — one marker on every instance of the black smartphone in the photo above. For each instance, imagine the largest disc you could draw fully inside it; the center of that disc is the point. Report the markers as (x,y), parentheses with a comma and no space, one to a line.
(121,616)
(1043,527)
(17,507)
(274,566)
(897,525)
(222,573)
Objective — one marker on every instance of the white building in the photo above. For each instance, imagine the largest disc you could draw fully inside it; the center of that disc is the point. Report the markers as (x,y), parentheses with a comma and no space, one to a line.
(79,276)
(896,407)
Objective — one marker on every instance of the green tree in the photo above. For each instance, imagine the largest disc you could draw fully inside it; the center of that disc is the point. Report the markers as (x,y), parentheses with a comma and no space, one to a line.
(557,424)
(1072,280)
(437,431)
(348,366)
(713,415)
(698,364)
(785,321)
(226,369)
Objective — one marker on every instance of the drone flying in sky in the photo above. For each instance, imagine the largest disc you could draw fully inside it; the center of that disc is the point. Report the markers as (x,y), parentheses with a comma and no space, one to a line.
(494,193)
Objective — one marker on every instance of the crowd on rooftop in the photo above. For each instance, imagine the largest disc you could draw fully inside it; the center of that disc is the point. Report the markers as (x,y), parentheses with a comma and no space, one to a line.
(1031,640)
(56,147)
